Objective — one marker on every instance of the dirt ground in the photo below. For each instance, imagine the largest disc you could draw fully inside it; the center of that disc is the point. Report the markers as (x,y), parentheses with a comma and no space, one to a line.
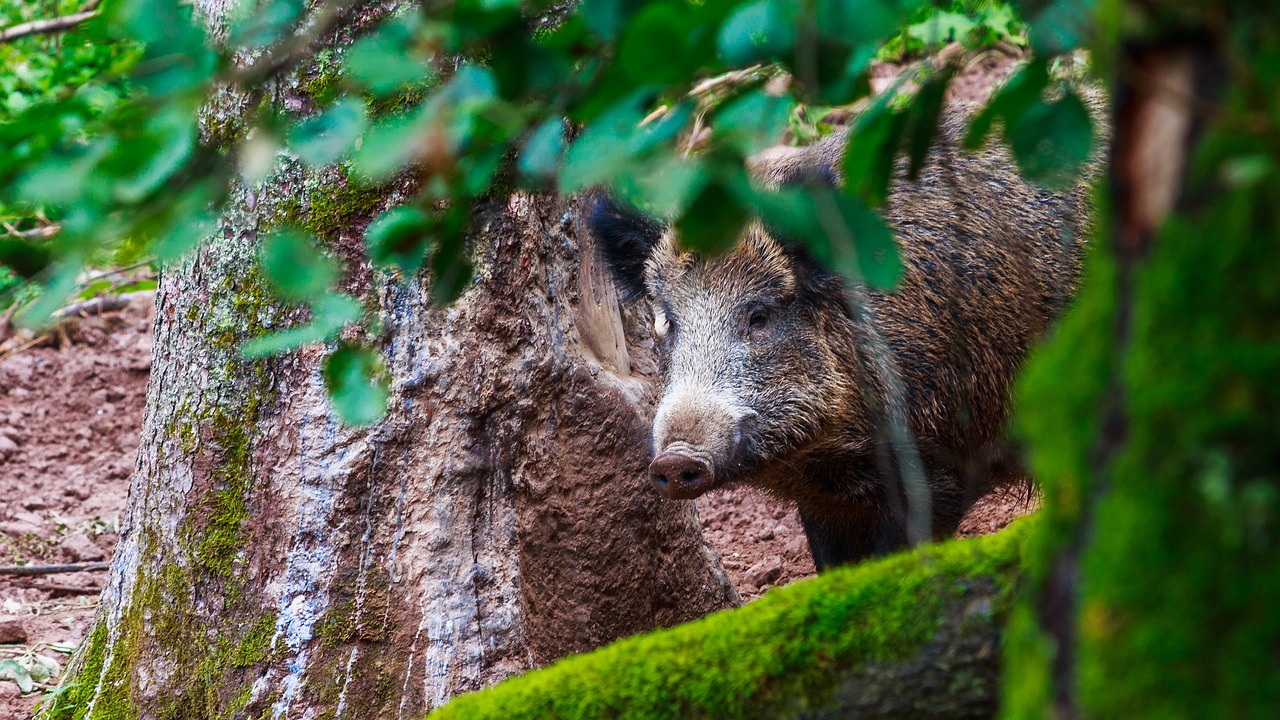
(69,420)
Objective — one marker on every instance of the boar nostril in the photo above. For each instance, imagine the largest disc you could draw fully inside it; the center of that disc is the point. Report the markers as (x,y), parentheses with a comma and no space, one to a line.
(679,476)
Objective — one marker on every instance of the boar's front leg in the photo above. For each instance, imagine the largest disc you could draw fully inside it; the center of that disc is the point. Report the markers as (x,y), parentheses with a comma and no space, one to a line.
(840,538)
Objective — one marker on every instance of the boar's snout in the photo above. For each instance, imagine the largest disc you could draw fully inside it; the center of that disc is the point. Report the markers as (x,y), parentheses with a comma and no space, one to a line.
(678,476)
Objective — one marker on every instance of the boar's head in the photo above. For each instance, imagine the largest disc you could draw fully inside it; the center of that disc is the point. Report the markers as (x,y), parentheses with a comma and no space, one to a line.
(755,351)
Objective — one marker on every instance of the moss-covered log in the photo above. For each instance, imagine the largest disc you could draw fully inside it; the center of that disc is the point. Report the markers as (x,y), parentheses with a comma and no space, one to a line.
(917,635)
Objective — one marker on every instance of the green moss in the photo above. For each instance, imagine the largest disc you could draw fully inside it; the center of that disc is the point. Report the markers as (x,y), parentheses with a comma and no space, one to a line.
(338,625)
(772,658)
(1180,565)
(72,702)
(339,201)
(255,647)
(225,509)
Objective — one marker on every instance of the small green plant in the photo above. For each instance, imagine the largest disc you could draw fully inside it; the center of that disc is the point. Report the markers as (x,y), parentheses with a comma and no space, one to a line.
(976,24)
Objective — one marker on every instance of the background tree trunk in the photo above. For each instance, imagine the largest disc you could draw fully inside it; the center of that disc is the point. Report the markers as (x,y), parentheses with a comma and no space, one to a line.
(273,562)
(1156,572)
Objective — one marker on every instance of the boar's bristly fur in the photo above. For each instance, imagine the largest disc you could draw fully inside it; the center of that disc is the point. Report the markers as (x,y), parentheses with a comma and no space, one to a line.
(767,373)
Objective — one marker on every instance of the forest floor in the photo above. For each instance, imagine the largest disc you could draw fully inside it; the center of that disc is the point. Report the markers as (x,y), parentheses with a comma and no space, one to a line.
(70,415)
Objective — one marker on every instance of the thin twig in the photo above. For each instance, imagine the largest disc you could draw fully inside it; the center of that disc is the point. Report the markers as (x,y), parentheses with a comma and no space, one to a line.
(50,25)
(30,570)
(92,306)
(44,231)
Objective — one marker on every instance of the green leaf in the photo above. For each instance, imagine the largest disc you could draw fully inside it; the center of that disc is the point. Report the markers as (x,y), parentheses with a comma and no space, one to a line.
(327,137)
(389,60)
(1052,141)
(862,244)
(25,259)
(714,221)
(752,122)
(389,144)
(53,295)
(261,23)
(296,268)
(15,673)
(869,156)
(1019,93)
(606,17)
(329,314)
(855,22)
(1062,27)
(757,32)
(653,47)
(541,154)
(357,384)
(175,135)
(399,239)
(450,266)
(942,28)
(926,108)
(602,149)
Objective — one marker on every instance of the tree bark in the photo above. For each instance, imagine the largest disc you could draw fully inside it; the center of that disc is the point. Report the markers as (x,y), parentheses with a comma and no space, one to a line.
(273,562)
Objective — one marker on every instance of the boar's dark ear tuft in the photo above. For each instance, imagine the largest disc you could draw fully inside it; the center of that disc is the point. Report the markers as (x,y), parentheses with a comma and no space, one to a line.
(626,238)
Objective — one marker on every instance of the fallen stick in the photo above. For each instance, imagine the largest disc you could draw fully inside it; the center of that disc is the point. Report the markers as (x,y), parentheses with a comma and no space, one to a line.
(30,570)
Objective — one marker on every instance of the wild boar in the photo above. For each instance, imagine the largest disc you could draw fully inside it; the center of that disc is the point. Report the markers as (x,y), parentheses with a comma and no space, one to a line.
(770,376)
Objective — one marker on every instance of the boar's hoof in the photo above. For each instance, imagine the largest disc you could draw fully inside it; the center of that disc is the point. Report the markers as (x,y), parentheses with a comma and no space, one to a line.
(680,477)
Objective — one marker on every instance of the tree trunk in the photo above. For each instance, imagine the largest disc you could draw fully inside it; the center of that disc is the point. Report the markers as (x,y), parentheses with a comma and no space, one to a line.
(273,562)
(1152,415)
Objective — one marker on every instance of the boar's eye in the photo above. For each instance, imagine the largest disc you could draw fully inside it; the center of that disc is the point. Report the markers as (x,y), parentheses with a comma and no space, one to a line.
(756,319)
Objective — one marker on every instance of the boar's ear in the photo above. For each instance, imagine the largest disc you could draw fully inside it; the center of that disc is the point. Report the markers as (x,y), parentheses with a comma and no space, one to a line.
(813,165)
(626,238)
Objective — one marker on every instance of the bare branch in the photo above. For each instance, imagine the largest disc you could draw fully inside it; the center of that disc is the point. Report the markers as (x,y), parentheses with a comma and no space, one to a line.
(51,25)
(31,570)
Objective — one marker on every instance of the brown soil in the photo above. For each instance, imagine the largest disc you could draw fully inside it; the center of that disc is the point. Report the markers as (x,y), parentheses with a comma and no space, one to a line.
(70,414)
(69,420)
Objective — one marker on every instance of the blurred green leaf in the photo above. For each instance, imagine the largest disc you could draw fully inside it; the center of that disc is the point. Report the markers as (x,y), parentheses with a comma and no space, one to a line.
(53,295)
(862,247)
(389,59)
(24,258)
(399,239)
(926,108)
(388,144)
(329,136)
(357,384)
(1062,27)
(757,32)
(296,268)
(942,28)
(601,149)
(714,221)
(752,122)
(606,17)
(855,22)
(541,154)
(450,266)
(1052,141)
(174,137)
(10,670)
(262,22)
(329,314)
(872,150)
(653,48)
(1019,93)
